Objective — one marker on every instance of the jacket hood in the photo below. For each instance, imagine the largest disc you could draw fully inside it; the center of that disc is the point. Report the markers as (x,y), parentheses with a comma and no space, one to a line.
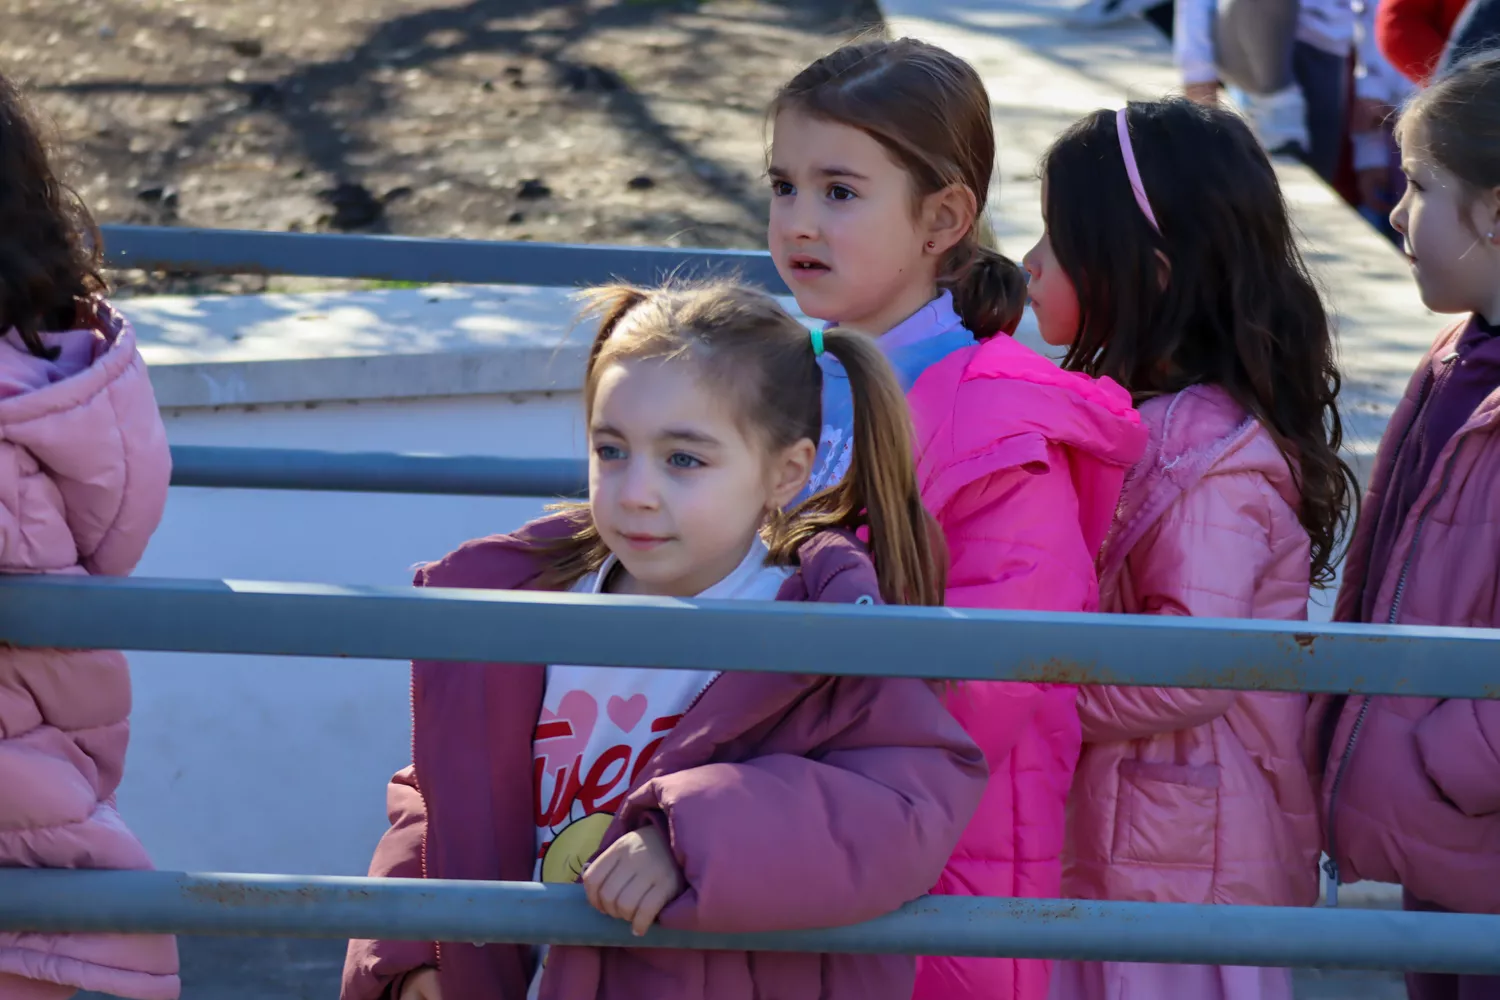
(87,423)
(1000,404)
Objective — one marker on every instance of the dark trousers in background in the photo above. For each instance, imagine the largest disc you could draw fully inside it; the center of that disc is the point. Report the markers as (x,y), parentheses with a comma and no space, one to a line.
(1443,986)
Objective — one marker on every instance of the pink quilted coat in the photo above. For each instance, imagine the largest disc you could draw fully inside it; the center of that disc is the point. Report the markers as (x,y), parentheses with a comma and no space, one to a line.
(1022,465)
(84,467)
(1411,790)
(1197,796)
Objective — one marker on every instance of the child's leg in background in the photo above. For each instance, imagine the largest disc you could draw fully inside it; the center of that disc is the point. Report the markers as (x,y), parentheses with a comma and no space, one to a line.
(1137,981)
(1324,80)
(1442,986)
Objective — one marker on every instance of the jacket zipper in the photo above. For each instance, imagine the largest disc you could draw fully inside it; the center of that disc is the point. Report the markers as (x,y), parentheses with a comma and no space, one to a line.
(437,947)
(1331,866)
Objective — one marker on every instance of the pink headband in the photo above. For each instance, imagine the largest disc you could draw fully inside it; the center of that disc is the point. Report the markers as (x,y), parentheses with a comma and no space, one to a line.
(1122,126)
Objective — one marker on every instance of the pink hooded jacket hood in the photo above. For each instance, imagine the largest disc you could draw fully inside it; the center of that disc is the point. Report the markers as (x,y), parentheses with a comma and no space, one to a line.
(84,468)
(789,802)
(1021,463)
(1199,796)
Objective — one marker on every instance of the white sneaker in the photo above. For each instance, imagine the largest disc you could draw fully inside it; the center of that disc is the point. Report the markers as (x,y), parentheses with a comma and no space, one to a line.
(1278,120)
(1104,13)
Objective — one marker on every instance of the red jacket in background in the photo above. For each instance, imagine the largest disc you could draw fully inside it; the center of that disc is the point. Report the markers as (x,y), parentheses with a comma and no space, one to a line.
(1412,33)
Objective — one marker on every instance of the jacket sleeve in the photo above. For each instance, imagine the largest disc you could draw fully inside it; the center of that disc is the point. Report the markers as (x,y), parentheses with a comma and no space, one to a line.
(1206,557)
(1193,41)
(1459,744)
(371,968)
(147,461)
(784,842)
(1409,33)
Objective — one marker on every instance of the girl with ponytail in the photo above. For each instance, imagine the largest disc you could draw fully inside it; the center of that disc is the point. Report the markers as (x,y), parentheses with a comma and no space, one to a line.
(721,802)
(880,167)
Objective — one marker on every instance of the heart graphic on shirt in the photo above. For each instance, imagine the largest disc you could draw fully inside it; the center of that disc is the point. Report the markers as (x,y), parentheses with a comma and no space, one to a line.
(626,712)
(562,735)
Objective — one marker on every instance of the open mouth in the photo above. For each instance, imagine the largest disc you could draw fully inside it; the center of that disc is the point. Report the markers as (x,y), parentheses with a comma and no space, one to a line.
(808,265)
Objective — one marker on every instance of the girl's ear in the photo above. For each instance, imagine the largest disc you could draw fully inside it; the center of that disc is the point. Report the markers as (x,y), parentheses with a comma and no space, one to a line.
(946,217)
(789,472)
(1490,202)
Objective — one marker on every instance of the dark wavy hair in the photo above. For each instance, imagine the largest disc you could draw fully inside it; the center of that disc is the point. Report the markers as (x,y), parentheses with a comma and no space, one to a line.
(930,111)
(51,259)
(1220,296)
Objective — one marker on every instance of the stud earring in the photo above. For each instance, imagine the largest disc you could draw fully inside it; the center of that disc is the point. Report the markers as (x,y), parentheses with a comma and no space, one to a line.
(932,244)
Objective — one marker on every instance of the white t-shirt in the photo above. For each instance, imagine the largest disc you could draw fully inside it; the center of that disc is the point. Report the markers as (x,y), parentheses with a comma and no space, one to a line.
(600,725)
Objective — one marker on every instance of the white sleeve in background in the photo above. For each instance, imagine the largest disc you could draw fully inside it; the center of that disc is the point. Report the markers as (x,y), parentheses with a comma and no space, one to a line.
(1374,77)
(1193,40)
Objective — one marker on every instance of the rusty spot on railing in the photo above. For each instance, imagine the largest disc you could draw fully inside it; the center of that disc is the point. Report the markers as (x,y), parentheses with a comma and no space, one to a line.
(1058,670)
(1305,639)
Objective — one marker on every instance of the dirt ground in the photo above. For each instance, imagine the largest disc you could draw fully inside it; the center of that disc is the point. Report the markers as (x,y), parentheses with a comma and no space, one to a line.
(602,121)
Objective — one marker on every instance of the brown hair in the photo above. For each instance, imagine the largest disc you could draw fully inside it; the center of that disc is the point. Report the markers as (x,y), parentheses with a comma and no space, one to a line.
(1238,310)
(50,256)
(1459,115)
(930,111)
(743,341)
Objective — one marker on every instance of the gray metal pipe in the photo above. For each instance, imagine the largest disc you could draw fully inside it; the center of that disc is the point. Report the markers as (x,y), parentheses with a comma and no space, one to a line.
(274,905)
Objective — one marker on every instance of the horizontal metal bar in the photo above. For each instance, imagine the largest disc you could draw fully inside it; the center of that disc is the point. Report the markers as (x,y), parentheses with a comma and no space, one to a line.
(232,616)
(293,469)
(404,258)
(531,913)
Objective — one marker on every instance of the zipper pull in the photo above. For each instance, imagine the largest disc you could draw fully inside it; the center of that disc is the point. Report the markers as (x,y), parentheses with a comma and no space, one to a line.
(1331,869)
(1448,359)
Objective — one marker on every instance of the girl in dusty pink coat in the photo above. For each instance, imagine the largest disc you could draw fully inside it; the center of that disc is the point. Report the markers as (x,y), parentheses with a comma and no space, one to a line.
(1169,264)
(83,479)
(1411,786)
(732,802)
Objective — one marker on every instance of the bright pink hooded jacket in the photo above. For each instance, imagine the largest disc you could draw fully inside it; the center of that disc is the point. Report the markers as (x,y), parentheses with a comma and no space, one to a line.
(84,467)
(789,801)
(1021,463)
(1187,796)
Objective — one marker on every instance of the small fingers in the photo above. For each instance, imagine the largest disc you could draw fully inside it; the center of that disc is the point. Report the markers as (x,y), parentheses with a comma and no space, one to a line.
(652,903)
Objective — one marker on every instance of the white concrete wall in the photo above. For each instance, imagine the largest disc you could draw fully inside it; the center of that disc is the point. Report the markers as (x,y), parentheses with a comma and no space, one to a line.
(268,764)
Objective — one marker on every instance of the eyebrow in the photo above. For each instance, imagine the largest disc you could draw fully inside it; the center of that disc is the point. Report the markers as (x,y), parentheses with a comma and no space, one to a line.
(686,434)
(779,173)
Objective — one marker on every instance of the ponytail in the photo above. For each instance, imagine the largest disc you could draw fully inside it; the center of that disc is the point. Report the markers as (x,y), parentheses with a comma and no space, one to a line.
(880,489)
(989,289)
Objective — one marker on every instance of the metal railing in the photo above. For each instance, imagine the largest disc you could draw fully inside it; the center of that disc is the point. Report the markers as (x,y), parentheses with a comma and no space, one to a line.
(464,625)
(404,258)
(224,616)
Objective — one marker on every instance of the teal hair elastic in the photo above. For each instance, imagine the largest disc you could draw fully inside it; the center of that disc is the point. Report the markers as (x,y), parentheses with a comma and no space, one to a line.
(817,342)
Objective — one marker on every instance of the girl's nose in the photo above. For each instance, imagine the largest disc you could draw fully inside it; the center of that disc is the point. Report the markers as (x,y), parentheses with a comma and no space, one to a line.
(638,489)
(802,217)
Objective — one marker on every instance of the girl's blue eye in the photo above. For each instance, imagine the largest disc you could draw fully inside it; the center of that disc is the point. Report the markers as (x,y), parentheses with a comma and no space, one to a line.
(680,460)
(841,193)
(782,188)
(609,452)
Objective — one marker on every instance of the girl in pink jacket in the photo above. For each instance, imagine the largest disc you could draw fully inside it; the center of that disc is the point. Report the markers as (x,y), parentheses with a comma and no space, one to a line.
(1169,264)
(1411,786)
(880,165)
(84,467)
(717,802)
